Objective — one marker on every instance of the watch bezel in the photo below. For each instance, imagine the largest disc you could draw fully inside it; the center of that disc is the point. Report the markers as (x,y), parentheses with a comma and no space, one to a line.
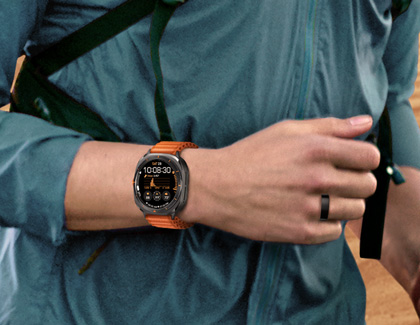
(178,202)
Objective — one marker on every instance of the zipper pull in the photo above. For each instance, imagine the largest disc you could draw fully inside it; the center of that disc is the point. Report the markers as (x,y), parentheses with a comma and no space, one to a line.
(395,173)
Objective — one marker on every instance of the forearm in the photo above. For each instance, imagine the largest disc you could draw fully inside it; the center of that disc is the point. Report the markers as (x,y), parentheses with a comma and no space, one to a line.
(100,193)
(401,244)
(232,190)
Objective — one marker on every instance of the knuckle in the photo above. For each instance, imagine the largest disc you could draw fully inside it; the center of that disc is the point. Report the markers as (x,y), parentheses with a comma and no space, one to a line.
(308,234)
(362,207)
(373,157)
(371,184)
(310,208)
(334,122)
(359,209)
(319,181)
(316,148)
(337,231)
(289,126)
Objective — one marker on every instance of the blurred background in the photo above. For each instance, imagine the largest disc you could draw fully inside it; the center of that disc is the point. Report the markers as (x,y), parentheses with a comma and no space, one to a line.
(387,302)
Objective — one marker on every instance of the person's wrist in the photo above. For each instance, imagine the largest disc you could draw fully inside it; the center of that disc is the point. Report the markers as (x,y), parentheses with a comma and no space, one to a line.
(201,164)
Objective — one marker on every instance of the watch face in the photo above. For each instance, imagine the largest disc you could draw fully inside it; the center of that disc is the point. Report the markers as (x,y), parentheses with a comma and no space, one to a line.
(157,182)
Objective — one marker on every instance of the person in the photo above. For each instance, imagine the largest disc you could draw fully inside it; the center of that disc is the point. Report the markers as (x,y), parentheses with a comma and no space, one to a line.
(277,96)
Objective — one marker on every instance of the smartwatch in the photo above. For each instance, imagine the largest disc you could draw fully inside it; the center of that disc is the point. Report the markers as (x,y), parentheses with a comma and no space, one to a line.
(161,184)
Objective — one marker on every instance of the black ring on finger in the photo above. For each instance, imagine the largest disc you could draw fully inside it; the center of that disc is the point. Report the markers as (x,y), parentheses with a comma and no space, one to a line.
(325,207)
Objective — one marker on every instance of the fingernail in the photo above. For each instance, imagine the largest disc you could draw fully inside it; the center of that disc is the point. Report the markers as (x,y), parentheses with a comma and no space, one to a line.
(360,120)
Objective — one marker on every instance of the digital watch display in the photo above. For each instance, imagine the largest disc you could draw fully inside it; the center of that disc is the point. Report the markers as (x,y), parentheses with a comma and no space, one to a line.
(161,184)
(157,183)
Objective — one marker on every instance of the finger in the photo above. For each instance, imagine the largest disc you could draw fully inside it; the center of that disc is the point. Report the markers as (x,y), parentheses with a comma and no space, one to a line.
(345,208)
(339,208)
(342,128)
(318,232)
(353,184)
(344,153)
(338,182)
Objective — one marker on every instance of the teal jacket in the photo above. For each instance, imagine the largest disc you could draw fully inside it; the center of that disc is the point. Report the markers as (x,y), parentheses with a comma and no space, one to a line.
(231,68)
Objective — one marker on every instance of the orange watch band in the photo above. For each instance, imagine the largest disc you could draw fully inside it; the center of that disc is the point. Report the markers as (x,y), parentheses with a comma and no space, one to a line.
(167,222)
(169,147)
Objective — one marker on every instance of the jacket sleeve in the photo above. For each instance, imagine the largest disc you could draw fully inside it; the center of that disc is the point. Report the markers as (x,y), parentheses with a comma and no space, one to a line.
(35,156)
(400,60)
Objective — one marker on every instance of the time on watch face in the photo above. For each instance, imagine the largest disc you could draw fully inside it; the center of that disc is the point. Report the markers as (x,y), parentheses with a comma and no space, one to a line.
(156,183)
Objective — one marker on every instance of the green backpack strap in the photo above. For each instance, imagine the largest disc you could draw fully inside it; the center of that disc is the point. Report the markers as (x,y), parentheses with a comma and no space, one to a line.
(35,95)
(374,217)
(163,12)
(399,7)
(48,102)
(92,35)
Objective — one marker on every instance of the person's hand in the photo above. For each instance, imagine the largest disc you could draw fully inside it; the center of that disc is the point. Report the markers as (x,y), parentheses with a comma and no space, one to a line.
(268,186)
